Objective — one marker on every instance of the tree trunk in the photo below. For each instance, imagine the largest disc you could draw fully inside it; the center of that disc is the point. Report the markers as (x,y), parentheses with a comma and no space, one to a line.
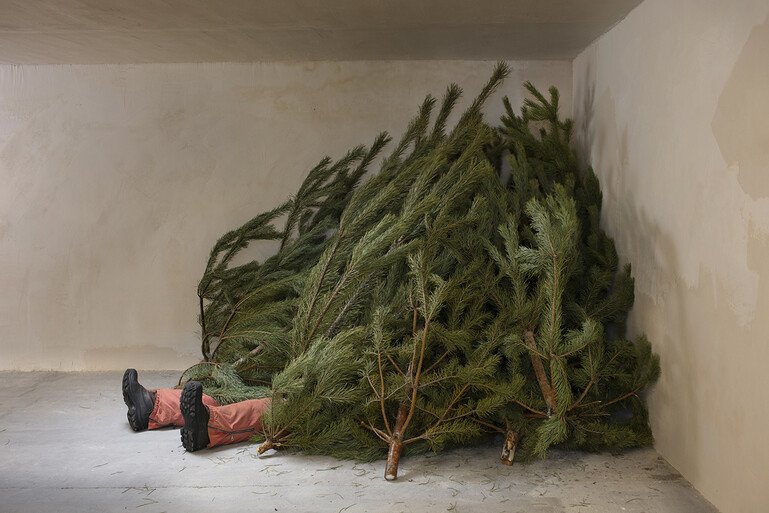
(396,445)
(509,446)
(205,348)
(393,458)
(264,447)
(255,351)
(539,370)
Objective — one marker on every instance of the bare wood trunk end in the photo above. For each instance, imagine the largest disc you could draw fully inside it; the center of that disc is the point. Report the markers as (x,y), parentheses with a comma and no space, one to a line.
(396,445)
(393,459)
(508,447)
(264,447)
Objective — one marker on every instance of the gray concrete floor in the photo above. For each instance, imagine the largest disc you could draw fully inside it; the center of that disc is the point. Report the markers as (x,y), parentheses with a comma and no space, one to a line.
(65,446)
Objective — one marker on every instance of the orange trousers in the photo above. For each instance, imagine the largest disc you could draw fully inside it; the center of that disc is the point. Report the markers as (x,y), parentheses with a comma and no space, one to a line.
(228,424)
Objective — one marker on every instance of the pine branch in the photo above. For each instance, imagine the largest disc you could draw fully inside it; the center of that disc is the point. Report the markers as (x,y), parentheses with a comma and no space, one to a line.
(255,351)
(381,394)
(539,370)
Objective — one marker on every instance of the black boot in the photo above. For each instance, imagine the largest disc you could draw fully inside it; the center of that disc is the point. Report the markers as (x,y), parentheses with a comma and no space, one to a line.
(139,400)
(195,430)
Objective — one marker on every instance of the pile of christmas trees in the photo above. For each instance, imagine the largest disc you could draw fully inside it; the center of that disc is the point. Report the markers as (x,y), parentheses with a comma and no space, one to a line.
(465,289)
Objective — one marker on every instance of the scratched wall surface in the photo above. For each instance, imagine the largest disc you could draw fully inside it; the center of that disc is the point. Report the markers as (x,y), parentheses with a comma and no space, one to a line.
(672,109)
(115,181)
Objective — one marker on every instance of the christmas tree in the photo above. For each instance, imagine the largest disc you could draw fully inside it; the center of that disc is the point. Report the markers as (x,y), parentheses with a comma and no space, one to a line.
(247,310)
(225,291)
(563,301)
(465,289)
(437,194)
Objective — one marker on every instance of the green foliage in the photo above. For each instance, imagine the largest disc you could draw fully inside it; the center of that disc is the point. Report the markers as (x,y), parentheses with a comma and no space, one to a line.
(225,290)
(374,268)
(437,301)
(312,396)
(223,383)
(561,294)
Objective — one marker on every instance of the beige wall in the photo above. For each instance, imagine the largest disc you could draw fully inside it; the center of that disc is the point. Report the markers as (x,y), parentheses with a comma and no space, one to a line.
(672,108)
(115,181)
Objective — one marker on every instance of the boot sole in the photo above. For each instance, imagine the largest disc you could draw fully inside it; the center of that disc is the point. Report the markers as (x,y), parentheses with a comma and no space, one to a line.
(126,397)
(194,434)
(138,420)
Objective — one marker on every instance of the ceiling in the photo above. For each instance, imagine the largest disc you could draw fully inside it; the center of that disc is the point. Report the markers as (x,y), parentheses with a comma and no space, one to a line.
(141,31)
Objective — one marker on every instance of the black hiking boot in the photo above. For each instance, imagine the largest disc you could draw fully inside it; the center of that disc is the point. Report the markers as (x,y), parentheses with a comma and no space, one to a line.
(195,430)
(139,400)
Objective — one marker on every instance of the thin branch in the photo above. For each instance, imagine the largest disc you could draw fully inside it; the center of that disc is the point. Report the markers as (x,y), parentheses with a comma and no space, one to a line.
(532,410)
(431,367)
(539,371)
(415,385)
(392,361)
(371,384)
(395,391)
(255,351)
(411,440)
(583,394)
(490,426)
(454,400)
(533,350)
(592,381)
(205,347)
(381,396)
(378,432)
(235,309)
(615,400)
(283,430)
(553,305)
(413,334)
(346,307)
(324,270)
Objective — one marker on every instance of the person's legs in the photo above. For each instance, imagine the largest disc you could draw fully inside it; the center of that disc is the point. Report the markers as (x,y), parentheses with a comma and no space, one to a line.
(235,423)
(211,426)
(167,411)
(153,409)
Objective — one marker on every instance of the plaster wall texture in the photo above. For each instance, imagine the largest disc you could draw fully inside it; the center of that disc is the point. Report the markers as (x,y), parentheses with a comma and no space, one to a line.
(116,180)
(671,108)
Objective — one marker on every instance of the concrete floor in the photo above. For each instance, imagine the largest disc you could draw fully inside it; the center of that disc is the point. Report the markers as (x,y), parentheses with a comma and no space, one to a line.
(65,446)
